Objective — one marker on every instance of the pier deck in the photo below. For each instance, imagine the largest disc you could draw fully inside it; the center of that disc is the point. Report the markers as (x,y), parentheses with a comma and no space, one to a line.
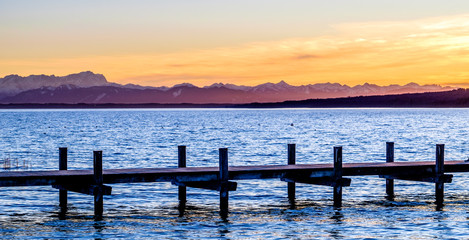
(223,177)
(196,174)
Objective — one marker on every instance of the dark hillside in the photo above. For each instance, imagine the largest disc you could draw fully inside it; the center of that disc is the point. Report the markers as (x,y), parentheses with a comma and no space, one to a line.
(454,98)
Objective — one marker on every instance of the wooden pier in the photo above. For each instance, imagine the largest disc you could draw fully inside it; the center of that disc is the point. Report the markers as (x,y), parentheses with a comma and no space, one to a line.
(222,178)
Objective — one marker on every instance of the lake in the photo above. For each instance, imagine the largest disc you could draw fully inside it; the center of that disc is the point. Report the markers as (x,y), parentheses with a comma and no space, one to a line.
(259,209)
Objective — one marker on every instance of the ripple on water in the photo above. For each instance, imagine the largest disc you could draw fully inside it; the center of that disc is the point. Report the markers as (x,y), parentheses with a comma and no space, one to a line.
(259,209)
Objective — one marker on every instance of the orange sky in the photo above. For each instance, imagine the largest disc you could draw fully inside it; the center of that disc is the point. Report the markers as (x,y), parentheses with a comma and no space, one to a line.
(433,50)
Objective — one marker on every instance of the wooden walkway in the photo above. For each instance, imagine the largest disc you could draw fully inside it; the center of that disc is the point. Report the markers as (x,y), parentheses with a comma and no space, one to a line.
(195,174)
(222,178)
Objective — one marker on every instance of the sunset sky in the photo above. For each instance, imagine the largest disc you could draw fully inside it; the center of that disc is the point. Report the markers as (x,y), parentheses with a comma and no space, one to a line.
(157,43)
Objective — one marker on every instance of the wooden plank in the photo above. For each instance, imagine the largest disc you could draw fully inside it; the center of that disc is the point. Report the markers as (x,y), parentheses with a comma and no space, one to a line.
(324,181)
(85,189)
(445,178)
(194,174)
(210,185)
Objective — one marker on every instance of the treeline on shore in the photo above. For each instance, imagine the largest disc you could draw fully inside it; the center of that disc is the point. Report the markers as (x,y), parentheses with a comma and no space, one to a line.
(447,99)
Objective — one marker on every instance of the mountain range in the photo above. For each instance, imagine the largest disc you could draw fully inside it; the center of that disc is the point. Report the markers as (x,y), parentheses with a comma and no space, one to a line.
(458,98)
(91,88)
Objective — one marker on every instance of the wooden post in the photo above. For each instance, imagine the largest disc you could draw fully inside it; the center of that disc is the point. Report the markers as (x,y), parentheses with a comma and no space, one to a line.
(291,161)
(390,182)
(63,194)
(439,172)
(182,189)
(98,181)
(224,177)
(337,176)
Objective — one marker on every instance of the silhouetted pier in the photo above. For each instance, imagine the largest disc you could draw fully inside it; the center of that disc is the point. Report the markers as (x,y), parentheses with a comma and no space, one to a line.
(222,178)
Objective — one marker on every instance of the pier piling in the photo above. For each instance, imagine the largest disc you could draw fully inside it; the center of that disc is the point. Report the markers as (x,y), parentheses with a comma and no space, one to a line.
(98,181)
(390,182)
(439,172)
(91,182)
(224,176)
(337,177)
(182,190)
(63,194)
(291,161)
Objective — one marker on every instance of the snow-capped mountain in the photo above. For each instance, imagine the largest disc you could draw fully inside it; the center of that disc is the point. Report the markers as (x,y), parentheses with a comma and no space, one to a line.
(87,87)
(14,84)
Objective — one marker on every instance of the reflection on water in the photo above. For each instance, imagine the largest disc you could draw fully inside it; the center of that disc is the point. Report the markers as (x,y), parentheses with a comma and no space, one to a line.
(307,221)
(259,209)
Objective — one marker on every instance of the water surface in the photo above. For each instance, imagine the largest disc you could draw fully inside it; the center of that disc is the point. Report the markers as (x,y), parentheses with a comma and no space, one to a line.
(258,209)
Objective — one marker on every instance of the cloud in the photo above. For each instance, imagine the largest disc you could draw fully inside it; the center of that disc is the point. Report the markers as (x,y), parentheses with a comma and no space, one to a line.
(464,84)
(433,50)
(305,56)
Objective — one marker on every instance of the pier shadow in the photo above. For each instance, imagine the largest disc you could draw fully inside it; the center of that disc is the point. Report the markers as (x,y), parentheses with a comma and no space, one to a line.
(224,215)
(223,229)
(338,218)
(292,204)
(390,197)
(98,227)
(62,215)
(181,209)
(391,201)
(439,206)
(185,210)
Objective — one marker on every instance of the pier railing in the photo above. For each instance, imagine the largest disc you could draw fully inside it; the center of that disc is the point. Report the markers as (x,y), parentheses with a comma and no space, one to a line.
(223,177)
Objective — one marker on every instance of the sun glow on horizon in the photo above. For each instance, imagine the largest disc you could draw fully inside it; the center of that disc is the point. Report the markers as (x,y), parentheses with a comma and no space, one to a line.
(424,51)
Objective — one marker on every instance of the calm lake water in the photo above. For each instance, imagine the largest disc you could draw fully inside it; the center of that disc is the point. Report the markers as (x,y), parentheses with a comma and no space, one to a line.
(258,209)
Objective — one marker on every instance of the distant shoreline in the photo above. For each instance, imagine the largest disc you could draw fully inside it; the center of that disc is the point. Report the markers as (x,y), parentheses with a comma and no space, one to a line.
(107,105)
(192,106)
(450,99)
